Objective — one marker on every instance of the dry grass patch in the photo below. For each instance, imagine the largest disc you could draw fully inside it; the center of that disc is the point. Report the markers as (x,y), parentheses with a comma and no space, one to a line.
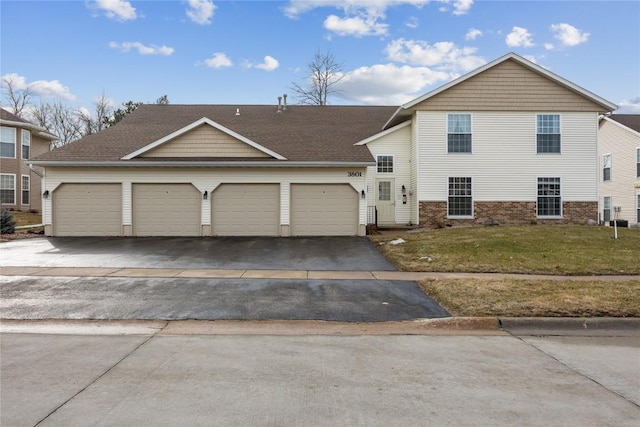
(536,298)
(26,218)
(536,249)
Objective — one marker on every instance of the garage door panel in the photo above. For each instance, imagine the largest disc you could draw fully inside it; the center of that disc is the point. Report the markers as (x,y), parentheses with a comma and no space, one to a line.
(246,210)
(166,210)
(324,210)
(87,210)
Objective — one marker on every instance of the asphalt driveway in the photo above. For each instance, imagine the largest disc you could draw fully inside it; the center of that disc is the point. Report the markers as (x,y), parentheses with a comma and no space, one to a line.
(241,253)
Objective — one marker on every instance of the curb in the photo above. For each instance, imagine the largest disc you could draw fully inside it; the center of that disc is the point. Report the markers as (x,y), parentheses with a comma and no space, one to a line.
(583,326)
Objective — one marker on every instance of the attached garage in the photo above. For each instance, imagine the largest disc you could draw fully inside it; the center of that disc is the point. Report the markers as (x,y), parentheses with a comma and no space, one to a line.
(87,210)
(246,210)
(324,210)
(166,210)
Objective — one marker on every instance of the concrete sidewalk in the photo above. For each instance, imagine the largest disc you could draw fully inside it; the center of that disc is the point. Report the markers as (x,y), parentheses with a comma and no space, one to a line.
(279,274)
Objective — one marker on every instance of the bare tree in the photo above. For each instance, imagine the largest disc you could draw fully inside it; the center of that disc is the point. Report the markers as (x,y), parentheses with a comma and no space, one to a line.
(324,72)
(17,98)
(96,122)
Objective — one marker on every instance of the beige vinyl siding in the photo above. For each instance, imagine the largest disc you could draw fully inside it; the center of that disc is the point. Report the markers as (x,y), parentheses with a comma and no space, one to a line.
(87,210)
(205,141)
(624,186)
(508,86)
(413,197)
(504,164)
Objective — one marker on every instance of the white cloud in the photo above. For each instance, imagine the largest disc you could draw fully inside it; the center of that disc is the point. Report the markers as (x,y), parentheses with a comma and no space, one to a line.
(519,37)
(201,11)
(629,106)
(218,60)
(549,46)
(387,83)
(357,26)
(568,34)
(142,49)
(412,22)
(445,55)
(269,64)
(120,10)
(44,88)
(461,7)
(473,34)
(531,58)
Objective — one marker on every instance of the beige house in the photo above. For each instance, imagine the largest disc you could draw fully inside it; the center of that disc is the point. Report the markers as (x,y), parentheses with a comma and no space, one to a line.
(619,175)
(510,142)
(20,141)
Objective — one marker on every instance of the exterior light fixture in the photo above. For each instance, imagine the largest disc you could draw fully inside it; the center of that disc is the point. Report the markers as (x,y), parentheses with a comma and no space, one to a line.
(45,195)
(404,190)
(362,194)
(205,195)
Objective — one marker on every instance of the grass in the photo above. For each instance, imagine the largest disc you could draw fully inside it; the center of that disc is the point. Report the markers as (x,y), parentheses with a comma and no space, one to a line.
(26,218)
(535,249)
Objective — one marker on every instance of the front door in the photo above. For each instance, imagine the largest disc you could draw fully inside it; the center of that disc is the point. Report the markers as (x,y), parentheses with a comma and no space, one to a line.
(385,201)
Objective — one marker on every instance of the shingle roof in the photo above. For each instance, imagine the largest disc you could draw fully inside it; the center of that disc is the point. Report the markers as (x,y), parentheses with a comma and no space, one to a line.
(9,118)
(632,121)
(301,133)
(5,115)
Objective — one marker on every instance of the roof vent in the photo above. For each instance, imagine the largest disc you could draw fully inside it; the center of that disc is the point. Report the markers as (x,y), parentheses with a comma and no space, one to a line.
(237,111)
(279,104)
(284,106)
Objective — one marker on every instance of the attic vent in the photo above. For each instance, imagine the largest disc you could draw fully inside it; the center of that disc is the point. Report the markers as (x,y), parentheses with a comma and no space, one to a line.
(237,111)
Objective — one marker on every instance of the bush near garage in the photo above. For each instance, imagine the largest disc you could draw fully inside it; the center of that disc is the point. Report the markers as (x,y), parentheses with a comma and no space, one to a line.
(7,223)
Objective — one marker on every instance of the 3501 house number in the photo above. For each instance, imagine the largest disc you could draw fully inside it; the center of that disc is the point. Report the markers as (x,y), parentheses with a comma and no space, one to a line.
(354,174)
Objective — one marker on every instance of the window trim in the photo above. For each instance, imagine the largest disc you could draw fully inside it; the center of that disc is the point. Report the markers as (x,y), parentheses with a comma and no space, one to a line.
(393,164)
(14,188)
(604,179)
(638,162)
(470,133)
(561,196)
(22,190)
(604,208)
(559,129)
(15,136)
(472,214)
(22,144)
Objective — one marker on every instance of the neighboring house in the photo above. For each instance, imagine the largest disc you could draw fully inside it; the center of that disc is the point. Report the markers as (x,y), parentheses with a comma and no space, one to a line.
(510,142)
(20,141)
(619,177)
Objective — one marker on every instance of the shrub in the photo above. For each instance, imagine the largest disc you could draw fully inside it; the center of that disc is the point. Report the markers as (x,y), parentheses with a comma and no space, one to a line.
(7,223)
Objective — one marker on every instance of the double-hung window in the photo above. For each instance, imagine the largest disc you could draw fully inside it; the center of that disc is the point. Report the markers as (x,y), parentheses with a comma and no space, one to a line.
(549,197)
(459,133)
(638,213)
(26,144)
(606,208)
(606,167)
(7,189)
(385,164)
(8,142)
(460,201)
(26,188)
(548,133)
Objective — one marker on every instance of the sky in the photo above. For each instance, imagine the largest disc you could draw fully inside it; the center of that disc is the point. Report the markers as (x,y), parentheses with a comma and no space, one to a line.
(250,52)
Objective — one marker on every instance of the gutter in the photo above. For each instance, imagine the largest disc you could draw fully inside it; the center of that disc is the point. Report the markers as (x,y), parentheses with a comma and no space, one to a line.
(119,164)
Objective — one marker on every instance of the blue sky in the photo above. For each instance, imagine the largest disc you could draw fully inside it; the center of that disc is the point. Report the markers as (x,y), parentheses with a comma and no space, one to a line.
(249,52)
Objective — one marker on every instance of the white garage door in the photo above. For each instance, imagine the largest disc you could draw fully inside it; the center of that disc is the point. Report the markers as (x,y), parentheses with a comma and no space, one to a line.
(246,210)
(166,210)
(324,210)
(87,210)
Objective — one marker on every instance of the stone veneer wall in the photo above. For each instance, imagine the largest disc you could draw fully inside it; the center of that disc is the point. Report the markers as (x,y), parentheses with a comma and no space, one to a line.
(434,214)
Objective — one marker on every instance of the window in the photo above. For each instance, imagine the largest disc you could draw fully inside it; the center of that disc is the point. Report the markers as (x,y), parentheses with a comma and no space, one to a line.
(548,133)
(638,162)
(606,209)
(7,189)
(26,187)
(385,164)
(26,144)
(459,133)
(549,198)
(384,191)
(8,142)
(638,213)
(606,167)
(460,199)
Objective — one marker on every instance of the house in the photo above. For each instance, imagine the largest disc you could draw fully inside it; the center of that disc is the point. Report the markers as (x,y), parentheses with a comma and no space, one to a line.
(20,141)
(619,175)
(509,142)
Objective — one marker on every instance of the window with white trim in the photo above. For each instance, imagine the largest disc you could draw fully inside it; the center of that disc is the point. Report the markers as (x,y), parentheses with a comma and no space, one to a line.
(460,201)
(459,133)
(606,208)
(606,167)
(26,189)
(637,162)
(7,189)
(638,218)
(548,133)
(26,144)
(549,197)
(8,142)
(385,164)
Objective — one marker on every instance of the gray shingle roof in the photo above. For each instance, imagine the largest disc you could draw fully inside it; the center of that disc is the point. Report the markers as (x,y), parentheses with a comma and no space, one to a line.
(632,121)
(300,134)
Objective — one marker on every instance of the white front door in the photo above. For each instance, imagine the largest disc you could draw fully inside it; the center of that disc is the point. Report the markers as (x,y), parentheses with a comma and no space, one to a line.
(385,201)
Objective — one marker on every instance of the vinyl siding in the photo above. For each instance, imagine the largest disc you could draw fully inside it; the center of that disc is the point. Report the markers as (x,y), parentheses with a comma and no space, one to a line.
(624,186)
(504,164)
(205,141)
(508,86)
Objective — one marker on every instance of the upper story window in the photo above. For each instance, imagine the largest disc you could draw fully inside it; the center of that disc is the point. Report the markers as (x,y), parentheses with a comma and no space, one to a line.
(460,201)
(26,144)
(8,142)
(459,133)
(385,164)
(548,133)
(549,197)
(606,167)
